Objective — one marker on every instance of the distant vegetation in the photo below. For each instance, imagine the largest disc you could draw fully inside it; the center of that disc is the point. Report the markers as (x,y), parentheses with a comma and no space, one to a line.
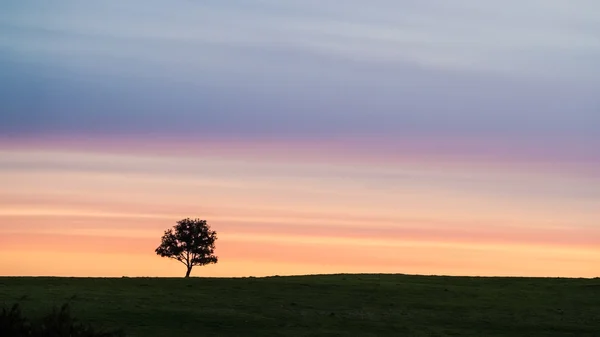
(190,242)
(329,305)
(57,323)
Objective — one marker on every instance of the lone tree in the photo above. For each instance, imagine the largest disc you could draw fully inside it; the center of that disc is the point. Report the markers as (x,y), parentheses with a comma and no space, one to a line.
(190,242)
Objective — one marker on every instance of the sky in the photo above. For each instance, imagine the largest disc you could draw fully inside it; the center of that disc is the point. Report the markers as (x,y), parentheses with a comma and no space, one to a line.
(420,137)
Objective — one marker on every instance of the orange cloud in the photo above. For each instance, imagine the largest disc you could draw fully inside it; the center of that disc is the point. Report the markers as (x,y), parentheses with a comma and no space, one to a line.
(287,218)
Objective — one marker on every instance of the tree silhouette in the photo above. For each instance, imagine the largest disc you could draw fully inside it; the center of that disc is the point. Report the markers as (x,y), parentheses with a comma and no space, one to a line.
(190,242)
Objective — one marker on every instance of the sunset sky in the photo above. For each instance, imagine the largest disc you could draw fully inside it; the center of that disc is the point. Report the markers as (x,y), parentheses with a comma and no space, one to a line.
(420,136)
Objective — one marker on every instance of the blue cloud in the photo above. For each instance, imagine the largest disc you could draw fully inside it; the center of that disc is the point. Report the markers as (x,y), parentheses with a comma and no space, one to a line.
(301,68)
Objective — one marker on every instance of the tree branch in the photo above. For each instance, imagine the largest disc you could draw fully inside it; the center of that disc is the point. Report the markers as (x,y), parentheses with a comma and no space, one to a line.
(180,259)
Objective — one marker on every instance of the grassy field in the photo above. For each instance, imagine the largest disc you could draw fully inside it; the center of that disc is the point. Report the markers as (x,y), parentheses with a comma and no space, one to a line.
(332,305)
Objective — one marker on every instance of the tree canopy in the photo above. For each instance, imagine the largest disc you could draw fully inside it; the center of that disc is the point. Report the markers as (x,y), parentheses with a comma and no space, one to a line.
(191,242)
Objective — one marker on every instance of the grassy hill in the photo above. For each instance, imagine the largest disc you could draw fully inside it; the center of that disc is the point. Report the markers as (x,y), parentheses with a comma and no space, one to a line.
(328,305)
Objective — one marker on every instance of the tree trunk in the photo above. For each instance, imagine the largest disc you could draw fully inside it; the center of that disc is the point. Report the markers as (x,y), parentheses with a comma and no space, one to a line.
(189,270)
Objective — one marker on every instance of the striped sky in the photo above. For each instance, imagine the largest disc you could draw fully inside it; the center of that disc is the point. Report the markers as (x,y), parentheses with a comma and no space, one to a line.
(421,137)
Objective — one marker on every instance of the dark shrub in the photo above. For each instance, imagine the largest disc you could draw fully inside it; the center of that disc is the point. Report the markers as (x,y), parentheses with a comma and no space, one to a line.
(58,323)
(12,322)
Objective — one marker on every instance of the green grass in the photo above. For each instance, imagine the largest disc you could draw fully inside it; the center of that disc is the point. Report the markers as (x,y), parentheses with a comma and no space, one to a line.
(331,305)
